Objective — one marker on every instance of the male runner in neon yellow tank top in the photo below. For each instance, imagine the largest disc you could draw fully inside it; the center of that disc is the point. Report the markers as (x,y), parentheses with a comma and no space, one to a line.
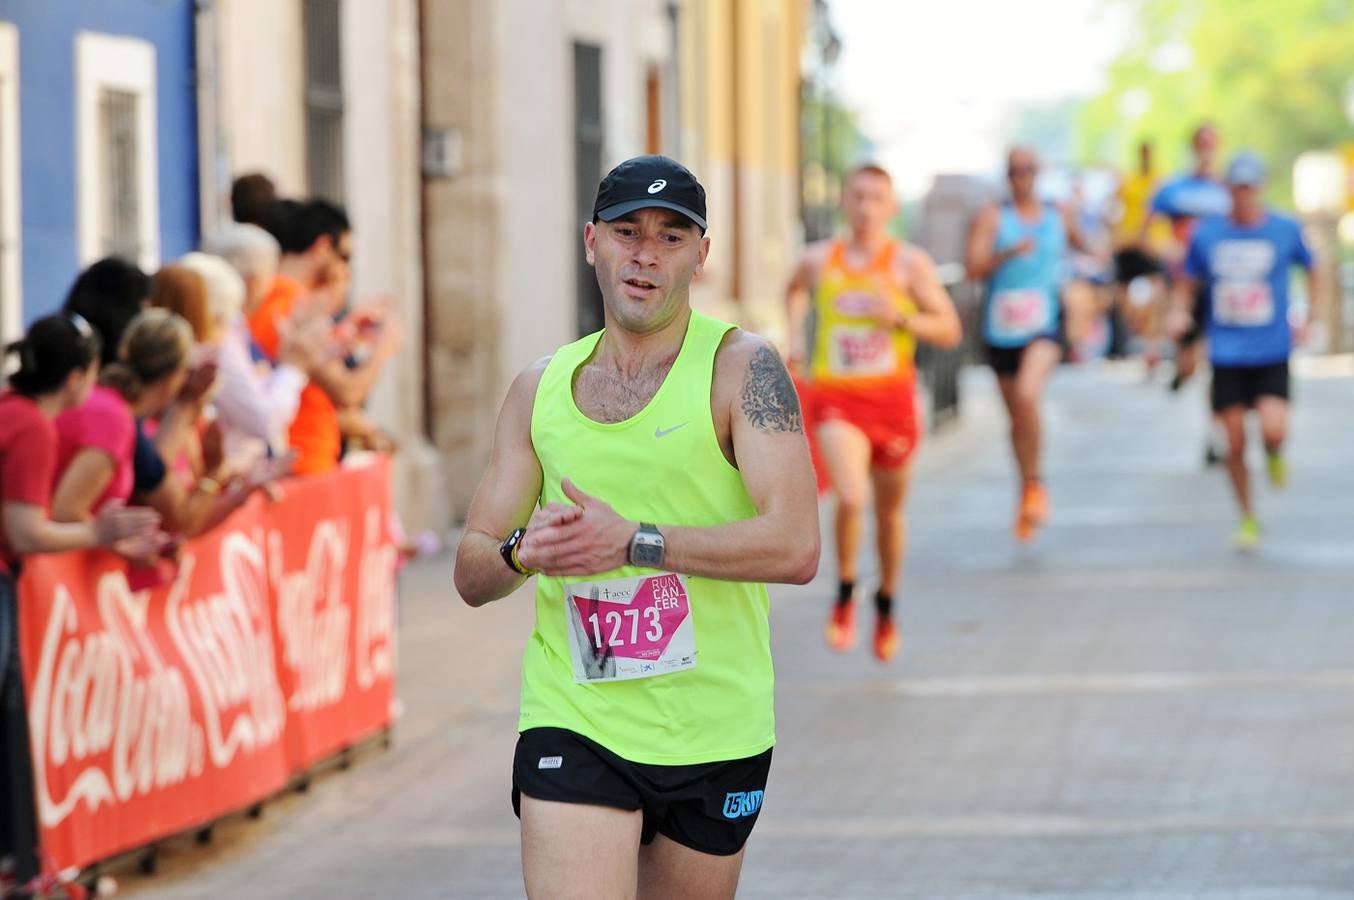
(654,475)
(873,297)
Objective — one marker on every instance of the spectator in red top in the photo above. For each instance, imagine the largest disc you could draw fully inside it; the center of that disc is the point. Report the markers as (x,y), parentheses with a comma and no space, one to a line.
(58,364)
(58,361)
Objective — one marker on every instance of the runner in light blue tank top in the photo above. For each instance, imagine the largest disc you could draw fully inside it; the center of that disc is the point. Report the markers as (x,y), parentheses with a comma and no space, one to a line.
(1018,248)
(1022,299)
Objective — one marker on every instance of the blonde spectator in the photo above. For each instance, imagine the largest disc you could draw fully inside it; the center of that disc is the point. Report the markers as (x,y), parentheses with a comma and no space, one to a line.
(256,400)
(95,458)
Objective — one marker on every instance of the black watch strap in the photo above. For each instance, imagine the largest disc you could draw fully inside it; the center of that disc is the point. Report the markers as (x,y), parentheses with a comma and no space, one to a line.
(508,550)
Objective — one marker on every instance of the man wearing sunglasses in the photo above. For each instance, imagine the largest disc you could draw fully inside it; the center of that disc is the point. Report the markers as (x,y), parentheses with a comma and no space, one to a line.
(1017,247)
(654,475)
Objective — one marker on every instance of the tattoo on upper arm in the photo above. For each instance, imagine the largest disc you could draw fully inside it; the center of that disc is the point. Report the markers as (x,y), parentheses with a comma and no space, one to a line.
(769,398)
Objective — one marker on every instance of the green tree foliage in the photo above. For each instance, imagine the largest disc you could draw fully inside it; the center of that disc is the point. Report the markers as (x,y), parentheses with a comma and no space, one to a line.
(1273,74)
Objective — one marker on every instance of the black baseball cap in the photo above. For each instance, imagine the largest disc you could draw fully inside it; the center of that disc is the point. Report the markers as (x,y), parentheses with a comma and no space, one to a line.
(649,181)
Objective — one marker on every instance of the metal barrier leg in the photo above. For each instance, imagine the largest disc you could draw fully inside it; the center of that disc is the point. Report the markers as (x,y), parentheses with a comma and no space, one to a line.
(18,820)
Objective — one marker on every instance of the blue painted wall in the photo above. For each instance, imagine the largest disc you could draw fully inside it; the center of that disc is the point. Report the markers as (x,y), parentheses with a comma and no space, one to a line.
(47,153)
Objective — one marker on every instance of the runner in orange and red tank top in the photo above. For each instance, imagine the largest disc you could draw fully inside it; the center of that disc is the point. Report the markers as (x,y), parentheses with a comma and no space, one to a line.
(872,297)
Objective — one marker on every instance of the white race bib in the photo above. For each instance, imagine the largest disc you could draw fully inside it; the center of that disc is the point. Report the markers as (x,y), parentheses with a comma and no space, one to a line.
(627,628)
(1247,304)
(1018,315)
(859,350)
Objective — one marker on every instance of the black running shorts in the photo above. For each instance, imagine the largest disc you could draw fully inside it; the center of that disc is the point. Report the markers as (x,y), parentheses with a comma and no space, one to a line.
(1243,385)
(710,808)
(1005,361)
(1131,263)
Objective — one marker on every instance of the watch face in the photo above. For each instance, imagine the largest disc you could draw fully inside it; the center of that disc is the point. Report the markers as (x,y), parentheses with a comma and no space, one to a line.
(648,554)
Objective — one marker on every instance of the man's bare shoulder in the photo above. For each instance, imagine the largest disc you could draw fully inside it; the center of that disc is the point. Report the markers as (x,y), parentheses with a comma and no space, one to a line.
(987,213)
(913,260)
(522,391)
(748,369)
(738,348)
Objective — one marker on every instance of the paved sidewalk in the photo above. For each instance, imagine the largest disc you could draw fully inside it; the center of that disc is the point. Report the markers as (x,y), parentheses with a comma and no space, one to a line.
(1127,709)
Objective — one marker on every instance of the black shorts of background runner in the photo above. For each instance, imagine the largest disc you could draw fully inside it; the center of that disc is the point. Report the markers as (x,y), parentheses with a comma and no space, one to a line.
(1005,361)
(1243,385)
(709,808)
(1200,312)
(1131,263)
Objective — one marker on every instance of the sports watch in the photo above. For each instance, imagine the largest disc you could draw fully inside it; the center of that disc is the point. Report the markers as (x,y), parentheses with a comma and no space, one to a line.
(508,550)
(646,547)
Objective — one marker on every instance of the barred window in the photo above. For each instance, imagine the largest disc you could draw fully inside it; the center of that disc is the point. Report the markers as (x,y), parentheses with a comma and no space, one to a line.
(324,100)
(119,164)
(11,318)
(6,239)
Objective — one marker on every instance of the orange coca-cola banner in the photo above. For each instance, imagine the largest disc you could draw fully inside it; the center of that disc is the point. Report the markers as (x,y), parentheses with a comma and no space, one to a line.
(152,711)
(334,605)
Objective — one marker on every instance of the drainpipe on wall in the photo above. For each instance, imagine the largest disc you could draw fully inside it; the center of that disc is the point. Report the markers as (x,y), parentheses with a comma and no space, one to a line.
(736,181)
(672,121)
(213,165)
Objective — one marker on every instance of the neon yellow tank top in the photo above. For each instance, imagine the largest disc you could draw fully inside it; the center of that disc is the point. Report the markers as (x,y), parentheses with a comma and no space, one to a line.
(851,349)
(709,696)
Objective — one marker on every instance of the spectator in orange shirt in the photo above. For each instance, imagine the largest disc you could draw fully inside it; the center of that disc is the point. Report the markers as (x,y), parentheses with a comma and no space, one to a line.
(316,243)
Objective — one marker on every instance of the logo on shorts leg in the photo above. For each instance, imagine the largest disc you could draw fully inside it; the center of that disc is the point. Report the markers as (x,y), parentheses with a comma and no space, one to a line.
(550,762)
(738,804)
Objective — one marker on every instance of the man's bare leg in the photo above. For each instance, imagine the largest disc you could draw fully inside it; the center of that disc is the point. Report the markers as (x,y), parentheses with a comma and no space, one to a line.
(670,871)
(576,850)
(1023,394)
(846,453)
(1234,423)
(890,493)
(1273,413)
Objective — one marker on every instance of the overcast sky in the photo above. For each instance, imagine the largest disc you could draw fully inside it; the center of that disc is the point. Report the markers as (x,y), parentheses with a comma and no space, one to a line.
(938,83)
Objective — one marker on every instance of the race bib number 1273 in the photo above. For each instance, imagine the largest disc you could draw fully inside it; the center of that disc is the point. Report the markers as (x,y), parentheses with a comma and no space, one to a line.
(627,628)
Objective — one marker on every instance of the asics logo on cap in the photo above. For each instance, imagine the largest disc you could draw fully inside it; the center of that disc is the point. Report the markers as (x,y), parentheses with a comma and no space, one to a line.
(658,186)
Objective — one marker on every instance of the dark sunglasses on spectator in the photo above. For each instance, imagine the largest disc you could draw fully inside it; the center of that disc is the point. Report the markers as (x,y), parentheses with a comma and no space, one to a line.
(1017,171)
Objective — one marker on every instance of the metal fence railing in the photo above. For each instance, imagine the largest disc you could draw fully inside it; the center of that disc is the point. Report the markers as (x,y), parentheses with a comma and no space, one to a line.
(940,369)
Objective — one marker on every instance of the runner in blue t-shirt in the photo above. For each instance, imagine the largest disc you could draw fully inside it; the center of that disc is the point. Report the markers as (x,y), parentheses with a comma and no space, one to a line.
(1241,265)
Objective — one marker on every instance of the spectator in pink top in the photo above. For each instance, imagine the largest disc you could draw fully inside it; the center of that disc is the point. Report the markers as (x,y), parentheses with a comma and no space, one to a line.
(96,441)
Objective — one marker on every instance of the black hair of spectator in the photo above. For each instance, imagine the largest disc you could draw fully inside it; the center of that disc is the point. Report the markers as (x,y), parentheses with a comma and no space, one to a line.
(277,219)
(297,226)
(251,196)
(54,347)
(108,295)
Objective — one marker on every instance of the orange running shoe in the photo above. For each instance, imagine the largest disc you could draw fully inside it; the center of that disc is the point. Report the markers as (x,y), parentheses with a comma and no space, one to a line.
(1033,512)
(886,639)
(841,627)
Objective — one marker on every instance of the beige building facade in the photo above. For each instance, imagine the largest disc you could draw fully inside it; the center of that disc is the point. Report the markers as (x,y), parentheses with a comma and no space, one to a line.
(542,99)
(323,97)
(467,137)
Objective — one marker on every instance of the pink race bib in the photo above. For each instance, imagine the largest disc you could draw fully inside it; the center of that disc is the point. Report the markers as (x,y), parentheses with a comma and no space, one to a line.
(626,628)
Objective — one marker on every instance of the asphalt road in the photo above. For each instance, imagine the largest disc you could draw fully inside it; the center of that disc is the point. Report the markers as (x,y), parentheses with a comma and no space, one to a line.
(1126,709)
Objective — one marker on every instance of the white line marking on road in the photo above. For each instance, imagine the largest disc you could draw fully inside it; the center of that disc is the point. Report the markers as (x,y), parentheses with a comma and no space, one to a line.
(1121,683)
(999,825)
